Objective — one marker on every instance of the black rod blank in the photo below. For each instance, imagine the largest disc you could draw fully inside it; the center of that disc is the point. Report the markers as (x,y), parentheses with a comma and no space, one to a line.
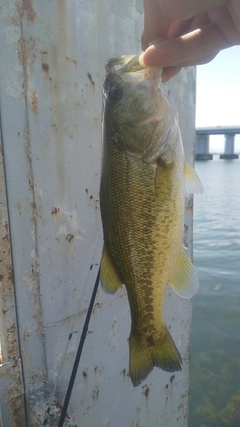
(79,352)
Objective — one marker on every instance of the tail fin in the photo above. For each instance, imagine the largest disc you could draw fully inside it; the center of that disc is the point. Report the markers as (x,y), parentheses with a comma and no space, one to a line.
(143,356)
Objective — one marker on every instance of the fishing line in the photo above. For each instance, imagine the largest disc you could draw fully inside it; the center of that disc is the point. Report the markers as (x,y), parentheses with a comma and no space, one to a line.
(72,329)
(79,352)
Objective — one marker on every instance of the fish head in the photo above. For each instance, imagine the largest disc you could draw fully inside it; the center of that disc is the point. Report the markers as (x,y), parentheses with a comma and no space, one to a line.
(136,111)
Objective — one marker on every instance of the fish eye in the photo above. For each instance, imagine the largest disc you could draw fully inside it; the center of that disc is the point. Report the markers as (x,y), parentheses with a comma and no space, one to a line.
(114,94)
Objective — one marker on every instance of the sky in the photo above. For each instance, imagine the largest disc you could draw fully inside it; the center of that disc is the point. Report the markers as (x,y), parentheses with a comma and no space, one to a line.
(218,95)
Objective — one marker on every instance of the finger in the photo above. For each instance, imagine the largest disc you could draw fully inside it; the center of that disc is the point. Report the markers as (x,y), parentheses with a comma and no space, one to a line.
(169,72)
(189,47)
(234,10)
(155,25)
(177,28)
(224,18)
(145,39)
(199,21)
(200,61)
(184,9)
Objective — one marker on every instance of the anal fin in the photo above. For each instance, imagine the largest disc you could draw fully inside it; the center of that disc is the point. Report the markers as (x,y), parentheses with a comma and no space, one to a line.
(184,280)
(108,276)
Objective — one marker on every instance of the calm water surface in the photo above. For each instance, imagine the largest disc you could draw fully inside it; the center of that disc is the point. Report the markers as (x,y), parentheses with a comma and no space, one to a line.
(215,341)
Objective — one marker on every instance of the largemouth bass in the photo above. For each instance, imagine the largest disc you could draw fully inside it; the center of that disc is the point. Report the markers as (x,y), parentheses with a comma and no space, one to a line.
(143,182)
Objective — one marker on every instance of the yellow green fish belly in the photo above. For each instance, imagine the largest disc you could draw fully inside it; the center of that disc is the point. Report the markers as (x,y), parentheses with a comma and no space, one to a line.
(142,206)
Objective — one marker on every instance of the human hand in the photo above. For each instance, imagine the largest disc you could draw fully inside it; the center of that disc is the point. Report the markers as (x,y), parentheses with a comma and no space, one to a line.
(185,32)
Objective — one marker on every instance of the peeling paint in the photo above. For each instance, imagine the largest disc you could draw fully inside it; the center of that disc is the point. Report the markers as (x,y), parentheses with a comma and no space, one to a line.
(55,210)
(69,224)
(16,412)
(145,390)
(41,414)
(95,393)
(98,370)
(85,373)
(11,379)
(69,237)
(25,7)
(27,55)
(11,384)
(33,101)
(45,67)
(89,75)
(189,204)
(71,60)
(19,208)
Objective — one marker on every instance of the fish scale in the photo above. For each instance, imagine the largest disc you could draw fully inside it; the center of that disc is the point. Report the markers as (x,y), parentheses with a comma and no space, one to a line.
(142,205)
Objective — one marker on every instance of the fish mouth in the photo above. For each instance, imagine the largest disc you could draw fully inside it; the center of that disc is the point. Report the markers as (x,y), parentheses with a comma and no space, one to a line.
(131,71)
(124,64)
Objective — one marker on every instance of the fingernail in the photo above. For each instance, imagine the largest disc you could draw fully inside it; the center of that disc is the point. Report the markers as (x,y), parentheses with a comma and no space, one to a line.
(141,61)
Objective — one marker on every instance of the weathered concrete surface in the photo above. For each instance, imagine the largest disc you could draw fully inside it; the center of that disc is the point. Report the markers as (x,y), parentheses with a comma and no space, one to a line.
(53,55)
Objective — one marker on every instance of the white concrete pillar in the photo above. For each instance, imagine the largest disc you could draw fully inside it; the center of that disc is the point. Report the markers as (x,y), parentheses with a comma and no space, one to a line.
(202,148)
(229,144)
(229,148)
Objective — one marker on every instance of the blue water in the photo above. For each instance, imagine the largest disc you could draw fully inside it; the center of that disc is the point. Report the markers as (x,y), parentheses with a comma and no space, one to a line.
(215,340)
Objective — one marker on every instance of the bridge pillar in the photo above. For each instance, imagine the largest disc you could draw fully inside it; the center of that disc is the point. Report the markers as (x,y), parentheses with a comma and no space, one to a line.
(202,148)
(229,148)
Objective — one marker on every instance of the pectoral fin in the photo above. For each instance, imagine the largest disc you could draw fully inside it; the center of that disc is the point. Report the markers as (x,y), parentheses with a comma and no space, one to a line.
(108,276)
(184,280)
(192,181)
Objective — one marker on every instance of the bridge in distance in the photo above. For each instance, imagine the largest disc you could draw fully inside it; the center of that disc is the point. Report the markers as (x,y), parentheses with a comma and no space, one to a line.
(202,141)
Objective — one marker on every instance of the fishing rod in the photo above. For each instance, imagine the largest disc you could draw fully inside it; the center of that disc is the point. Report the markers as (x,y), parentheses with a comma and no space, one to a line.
(73,331)
(79,352)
